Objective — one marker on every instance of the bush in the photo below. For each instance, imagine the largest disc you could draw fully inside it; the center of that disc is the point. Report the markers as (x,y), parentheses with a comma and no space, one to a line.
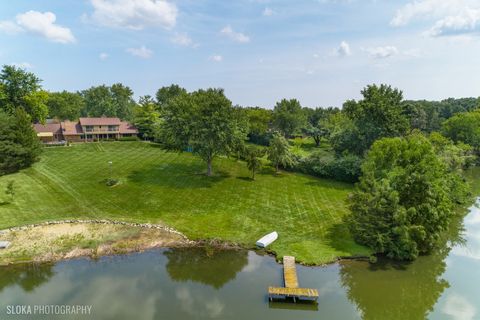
(345,168)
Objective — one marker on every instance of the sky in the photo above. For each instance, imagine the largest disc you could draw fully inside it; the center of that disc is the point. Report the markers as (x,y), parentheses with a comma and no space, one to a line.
(321,52)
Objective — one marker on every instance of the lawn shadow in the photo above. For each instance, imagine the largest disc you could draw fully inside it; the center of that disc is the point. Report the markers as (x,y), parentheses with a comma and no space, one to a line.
(249,179)
(4,203)
(177,176)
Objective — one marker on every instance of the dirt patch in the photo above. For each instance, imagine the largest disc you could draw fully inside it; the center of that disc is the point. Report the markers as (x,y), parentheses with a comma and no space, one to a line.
(70,240)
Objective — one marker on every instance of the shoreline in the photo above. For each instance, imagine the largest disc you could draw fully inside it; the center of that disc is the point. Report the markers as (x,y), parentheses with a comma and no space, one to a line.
(109,238)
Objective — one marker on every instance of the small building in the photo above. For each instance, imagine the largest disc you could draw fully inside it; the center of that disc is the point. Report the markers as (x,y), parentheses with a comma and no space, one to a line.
(84,130)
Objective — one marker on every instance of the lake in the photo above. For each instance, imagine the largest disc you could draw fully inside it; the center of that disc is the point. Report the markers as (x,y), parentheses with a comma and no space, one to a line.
(210,284)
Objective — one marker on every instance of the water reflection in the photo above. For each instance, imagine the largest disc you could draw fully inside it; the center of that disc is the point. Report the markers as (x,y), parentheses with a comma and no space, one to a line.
(27,276)
(206,265)
(394,290)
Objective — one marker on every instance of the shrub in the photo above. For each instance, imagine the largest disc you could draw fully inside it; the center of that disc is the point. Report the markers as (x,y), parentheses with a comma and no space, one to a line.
(343,168)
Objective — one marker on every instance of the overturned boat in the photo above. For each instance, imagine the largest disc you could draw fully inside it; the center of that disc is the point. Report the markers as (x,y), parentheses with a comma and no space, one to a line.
(267,240)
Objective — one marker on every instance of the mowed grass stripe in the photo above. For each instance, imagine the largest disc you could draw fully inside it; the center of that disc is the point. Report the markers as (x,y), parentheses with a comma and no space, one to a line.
(160,187)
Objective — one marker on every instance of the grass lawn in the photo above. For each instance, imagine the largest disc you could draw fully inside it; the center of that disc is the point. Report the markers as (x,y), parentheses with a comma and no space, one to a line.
(170,188)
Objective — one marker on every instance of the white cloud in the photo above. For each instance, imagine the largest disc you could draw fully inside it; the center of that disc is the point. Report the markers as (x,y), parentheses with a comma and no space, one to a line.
(267,12)
(38,23)
(142,52)
(134,14)
(10,27)
(422,9)
(182,39)
(382,52)
(451,17)
(103,56)
(44,25)
(464,22)
(235,36)
(343,50)
(216,58)
(459,308)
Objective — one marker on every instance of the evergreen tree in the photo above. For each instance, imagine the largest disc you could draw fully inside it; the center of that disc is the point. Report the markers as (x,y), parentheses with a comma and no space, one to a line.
(19,144)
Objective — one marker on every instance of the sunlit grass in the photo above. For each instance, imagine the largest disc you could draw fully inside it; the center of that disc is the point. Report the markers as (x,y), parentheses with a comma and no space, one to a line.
(159,187)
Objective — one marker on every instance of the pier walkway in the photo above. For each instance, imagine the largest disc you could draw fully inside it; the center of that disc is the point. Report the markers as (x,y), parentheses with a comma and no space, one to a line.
(291,289)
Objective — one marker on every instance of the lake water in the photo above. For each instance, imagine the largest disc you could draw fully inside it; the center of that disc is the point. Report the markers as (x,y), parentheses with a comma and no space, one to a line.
(207,284)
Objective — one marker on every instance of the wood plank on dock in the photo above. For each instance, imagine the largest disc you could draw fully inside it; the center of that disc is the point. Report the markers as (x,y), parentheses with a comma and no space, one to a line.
(291,289)
(293,292)
(290,272)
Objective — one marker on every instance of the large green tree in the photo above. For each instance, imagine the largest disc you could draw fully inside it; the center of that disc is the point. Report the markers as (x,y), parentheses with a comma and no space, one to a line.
(379,114)
(205,122)
(260,122)
(288,117)
(114,101)
(464,127)
(19,145)
(65,105)
(403,201)
(165,94)
(316,124)
(22,89)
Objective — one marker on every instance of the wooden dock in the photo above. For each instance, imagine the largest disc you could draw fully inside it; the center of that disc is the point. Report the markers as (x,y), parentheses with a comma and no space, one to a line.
(291,289)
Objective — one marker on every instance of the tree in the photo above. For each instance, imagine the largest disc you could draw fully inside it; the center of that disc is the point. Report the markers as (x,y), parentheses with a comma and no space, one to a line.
(114,101)
(165,94)
(279,152)
(19,144)
(253,158)
(343,134)
(204,121)
(122,97)
(146,117)
(379,114)
(22,89)
(260,121)
(403,201)
(10,189)
(464,127)
(288,117)
(316,126)
(65,105)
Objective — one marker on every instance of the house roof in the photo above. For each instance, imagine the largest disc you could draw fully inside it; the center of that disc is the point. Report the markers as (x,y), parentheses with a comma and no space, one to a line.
(54,128)
(126,127)
(68,127)
(71,128)
(99,121)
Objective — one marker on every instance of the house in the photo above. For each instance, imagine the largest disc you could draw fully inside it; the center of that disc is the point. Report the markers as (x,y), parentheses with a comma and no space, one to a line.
(84,130)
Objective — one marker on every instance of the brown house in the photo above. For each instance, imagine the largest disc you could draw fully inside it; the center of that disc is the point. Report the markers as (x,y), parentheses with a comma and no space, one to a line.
(85,129)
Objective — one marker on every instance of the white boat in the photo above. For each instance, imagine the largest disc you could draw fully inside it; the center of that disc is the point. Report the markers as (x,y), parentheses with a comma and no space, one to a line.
(4,244)
(267,240)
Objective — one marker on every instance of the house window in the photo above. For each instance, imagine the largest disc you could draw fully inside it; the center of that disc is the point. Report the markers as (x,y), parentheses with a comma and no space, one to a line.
(89,128)
(112,128)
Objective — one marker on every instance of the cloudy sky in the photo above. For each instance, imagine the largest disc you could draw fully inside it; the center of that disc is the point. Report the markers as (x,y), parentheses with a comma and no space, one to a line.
(319,51)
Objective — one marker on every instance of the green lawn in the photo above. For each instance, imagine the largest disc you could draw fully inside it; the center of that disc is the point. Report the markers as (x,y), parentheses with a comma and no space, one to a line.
(170,188)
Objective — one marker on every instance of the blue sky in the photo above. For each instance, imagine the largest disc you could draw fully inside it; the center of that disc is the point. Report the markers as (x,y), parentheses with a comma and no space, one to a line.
(321,52)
